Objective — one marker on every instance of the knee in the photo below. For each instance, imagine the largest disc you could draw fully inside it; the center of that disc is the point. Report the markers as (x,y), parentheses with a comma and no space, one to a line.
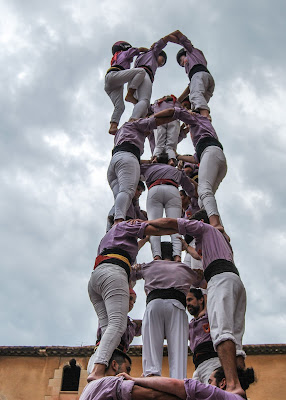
(205,191)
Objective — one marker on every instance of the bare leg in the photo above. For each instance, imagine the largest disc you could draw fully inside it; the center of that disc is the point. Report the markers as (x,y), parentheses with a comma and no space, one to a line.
(157,258)
(240,362)
(227,355)
(177,258)
(97,372)
(113,128)
(130,96)
(215,222)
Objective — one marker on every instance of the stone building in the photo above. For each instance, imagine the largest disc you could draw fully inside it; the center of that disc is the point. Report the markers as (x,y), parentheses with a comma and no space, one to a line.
(45,373)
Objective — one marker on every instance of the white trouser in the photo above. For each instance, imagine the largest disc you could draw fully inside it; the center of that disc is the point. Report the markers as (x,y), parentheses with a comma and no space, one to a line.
(166,138)
(143,95)
(212,170)
(191,261)
(166,197)
(108,290)
(201,90)
(205,369)
(114,84)
(165,318)
(123,176)
(226,308)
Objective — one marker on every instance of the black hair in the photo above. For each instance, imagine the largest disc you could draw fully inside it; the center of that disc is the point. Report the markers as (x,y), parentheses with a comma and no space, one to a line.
(163,158)
(246,376)
(120,357)
(142,185)
(167,251)
(198,294)
(201,215)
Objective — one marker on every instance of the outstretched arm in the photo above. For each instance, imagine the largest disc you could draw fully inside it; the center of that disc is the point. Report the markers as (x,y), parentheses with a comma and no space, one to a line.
(169,224)
(184,94)
(152,230)
(142,393)
(164,116)
(167,385)
(190,159)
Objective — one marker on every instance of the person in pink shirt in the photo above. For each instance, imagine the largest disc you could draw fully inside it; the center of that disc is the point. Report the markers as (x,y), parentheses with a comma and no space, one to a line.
(201,86)
(114,387)
(226,294)
(120,73)
(190,389)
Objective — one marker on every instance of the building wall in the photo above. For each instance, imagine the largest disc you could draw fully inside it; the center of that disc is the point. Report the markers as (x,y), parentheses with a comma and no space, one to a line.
(39,377)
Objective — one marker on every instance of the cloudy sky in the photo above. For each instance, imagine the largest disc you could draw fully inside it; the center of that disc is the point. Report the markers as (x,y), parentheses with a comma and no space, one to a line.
(55,150)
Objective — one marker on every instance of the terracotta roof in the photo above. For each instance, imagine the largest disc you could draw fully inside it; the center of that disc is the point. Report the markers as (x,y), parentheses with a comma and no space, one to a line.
(134,351)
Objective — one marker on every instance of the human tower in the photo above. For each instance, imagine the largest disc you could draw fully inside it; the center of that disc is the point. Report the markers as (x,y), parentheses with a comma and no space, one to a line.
(207,282)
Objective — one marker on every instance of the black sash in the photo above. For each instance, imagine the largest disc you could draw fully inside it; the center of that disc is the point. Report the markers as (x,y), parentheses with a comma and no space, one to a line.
(204,143)
(204,351)
(129,147)
(197,68)
(218,267)
(169,293)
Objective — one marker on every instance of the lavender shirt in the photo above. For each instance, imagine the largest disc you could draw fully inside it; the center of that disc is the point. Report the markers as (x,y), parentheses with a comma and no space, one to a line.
(193,207)
(163,105)
(150,57)
(125,58)
(199,391)
(199,331)
(124,235)
(210,242)
(162,274)
(200,127)
(135,132)
(131,331)
(134,211)
(194,56)
(155,171)
(110,387)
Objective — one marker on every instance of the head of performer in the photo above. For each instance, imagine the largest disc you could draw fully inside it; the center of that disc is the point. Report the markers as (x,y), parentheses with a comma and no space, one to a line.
(188,169)
(186,103)
(195,301)
(185,199)
(132,298)
(119,362)
(162,58)
(163,158)
(245,376)
(182,57)
(140,189)
(167,251)
(120,46)
(201,215)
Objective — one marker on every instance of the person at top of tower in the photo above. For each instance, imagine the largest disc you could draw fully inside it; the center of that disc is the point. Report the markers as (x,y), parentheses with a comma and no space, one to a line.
(120,73)
(201,86)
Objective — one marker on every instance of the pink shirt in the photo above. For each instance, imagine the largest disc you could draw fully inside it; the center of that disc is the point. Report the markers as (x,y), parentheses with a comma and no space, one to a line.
(199,331)
(162,274)
(123,235)
(210,242)
(125,58)
(196,390)
(150,57)
(194,56)
(110,387)
(135,132)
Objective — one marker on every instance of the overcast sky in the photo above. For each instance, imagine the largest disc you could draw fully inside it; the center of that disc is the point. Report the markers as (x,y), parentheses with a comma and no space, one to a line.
(55,150)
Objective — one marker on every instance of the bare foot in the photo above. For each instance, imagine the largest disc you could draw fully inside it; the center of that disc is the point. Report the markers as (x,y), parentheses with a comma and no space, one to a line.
(113,128)
(177,258)
(98,372)
(157,258)
(130,96)
(237,390)
(205,113)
